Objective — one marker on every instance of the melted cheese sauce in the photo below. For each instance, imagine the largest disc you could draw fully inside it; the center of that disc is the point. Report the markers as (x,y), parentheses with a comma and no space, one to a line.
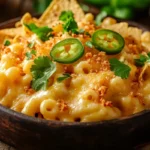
(92,93)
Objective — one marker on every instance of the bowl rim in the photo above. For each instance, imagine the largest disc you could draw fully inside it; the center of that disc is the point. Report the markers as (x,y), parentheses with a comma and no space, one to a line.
(31,119)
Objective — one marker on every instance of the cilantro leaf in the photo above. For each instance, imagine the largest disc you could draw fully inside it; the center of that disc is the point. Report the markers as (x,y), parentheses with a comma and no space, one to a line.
(42,70)
(64,77)
(65,15)
(120,69)
(69,22)
(29,54)
(31,44)
(89,44)
(142,60)
(44,33)
(7,43)
(70,25)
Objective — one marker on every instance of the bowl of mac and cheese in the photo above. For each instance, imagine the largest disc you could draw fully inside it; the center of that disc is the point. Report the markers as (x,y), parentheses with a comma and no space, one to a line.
(66,81)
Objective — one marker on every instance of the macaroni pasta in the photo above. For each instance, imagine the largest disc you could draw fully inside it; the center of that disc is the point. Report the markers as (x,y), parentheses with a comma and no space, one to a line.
(92,92)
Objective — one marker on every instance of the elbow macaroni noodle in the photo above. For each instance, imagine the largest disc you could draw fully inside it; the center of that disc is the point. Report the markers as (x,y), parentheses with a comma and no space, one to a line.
(92,93)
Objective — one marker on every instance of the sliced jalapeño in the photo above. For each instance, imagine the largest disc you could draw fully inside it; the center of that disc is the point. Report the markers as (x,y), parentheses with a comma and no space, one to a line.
(67,51)
(108,41)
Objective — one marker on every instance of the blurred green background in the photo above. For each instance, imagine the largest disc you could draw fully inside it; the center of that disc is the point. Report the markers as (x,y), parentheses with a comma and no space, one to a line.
(137,10)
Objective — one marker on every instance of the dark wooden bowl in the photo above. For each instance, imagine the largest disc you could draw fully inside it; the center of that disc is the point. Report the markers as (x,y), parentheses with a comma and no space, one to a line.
(29,133)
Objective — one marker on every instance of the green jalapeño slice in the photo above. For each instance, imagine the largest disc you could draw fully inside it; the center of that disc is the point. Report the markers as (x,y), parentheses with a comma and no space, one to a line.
(67,51)
(108,41)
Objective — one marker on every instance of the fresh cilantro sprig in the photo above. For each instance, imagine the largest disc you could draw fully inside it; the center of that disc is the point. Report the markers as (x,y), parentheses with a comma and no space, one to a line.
(66,15)
(29,54)
(120,69)
(44,33)
(42,70)
(69,23)
(142,60)
(64,77)
(7,43)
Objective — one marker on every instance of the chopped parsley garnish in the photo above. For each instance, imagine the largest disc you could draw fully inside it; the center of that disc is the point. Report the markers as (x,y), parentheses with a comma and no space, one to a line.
(31,44)
(142,60)
(120,69)
(29,54)
(64,77)
(89,44)
(7,43)
(42,70)
(69,23)
(44,33)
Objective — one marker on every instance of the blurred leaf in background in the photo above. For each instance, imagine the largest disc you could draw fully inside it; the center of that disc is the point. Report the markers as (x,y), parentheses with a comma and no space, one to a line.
(135,4)
(98,2)
(40,5)
(121,9)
